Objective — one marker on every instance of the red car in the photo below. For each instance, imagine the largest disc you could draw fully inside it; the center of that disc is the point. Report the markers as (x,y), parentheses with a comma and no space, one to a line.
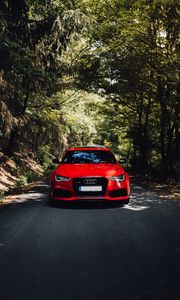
(89,173)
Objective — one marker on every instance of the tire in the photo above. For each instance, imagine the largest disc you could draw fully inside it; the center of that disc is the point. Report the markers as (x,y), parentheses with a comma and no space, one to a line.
(125,201)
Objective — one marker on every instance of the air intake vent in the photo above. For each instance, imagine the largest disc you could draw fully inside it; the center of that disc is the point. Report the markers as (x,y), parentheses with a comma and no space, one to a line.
(61,193)
(118,193)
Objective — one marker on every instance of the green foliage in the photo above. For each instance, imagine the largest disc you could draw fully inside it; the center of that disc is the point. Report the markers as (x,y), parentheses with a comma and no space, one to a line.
(27,177)
(34,36)
(44,156)
(2,195)
(136,44)
(22,181)
(31,176)
(83,72)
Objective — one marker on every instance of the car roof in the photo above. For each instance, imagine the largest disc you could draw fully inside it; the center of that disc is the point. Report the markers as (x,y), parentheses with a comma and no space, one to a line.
(83,148)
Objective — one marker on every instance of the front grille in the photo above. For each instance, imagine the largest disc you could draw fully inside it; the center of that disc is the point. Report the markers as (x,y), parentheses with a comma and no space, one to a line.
(61,193)
(90,181)
(118,193)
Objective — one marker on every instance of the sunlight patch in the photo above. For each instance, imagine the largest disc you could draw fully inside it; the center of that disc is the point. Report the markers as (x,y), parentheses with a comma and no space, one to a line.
(136,208)
(28,197)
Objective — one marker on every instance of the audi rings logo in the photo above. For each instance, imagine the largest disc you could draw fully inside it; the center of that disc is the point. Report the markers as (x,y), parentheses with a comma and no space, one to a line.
(90,181)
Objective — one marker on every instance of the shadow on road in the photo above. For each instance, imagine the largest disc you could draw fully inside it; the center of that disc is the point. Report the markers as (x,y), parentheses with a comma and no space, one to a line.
(87,204)
(141,199)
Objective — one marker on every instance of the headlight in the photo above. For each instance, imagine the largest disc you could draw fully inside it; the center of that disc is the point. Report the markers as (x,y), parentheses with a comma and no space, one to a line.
(118,178)
(62,178)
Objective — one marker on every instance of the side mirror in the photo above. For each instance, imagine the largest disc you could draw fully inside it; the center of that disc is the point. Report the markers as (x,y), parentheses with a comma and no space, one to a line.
(56,161)
(123,161)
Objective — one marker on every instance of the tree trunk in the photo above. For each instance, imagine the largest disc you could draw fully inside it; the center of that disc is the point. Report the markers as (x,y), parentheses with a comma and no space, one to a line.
(163,127)
(9,150)
(142,136)
(11,146)
(177,134)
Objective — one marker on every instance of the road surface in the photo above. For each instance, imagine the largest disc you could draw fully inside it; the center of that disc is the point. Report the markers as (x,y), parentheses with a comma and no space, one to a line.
(89,251)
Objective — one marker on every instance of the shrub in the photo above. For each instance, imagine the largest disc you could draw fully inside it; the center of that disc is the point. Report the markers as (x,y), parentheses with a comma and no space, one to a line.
(22,181)
(2,195)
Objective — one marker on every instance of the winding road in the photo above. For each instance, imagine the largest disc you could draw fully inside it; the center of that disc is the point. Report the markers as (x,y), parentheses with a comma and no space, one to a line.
(89,251)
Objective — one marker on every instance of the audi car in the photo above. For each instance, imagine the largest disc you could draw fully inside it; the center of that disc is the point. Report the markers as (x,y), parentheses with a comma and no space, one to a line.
(89,173)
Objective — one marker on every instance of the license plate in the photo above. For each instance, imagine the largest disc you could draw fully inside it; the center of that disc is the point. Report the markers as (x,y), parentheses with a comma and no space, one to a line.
(90,188)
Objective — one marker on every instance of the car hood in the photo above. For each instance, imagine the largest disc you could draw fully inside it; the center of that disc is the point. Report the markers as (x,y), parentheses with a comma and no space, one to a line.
(83,170)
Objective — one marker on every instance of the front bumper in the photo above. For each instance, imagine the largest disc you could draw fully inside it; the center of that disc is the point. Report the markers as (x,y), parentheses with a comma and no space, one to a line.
(112,191)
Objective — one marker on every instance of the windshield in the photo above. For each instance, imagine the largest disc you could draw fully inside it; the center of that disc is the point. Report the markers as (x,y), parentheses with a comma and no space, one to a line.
(88,156)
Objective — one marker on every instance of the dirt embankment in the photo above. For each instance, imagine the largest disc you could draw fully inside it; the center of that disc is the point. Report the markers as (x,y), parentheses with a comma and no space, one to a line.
(18,171)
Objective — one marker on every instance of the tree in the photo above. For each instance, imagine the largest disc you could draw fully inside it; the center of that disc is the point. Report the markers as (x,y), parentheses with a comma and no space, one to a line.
(136,46)
(33,38)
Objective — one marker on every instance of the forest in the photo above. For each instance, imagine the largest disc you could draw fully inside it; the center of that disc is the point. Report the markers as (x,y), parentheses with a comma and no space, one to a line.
(102,72)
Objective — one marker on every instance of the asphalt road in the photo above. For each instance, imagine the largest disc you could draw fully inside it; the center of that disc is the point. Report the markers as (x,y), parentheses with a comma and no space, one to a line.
(89,251)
